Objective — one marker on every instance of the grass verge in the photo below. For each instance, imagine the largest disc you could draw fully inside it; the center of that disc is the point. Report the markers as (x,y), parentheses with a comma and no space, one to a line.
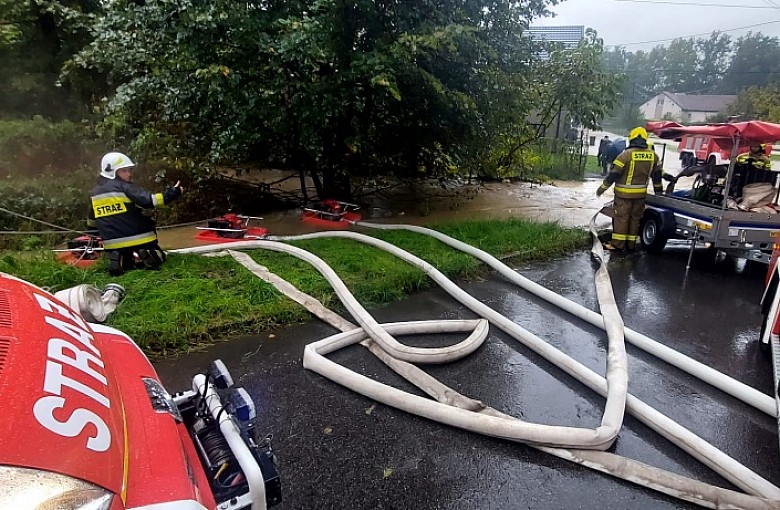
(592,165)
(196,300)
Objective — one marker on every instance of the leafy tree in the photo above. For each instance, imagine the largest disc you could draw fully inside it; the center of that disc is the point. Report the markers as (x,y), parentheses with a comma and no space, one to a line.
(681,63)
(714,53)
(756,62)
(36,38)
(333,87)
(758,103)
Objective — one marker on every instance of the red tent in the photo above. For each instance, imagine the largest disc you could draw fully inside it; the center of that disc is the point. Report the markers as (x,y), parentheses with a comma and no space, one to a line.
(751,131)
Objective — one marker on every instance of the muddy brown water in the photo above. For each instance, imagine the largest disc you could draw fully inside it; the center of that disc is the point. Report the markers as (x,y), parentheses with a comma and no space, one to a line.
(570,203)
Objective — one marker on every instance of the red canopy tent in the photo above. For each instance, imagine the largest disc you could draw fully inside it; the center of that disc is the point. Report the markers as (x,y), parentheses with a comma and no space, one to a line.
(752,131)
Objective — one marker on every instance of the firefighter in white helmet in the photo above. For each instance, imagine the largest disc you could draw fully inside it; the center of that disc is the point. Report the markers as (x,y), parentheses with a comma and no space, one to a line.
(117,212)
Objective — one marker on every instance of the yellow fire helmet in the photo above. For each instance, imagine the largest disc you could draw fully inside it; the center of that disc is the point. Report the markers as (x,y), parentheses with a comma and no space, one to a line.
(638,132)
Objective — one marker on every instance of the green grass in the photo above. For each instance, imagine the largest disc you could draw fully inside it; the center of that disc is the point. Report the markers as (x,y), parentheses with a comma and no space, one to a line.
(195,300)
(592,165)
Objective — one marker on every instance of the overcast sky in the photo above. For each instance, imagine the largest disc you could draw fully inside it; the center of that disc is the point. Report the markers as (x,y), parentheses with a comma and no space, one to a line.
(624,22)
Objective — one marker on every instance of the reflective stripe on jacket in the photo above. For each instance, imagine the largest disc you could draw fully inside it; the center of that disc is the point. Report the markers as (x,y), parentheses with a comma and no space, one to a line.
(631,171)
(760,161)
(117,210)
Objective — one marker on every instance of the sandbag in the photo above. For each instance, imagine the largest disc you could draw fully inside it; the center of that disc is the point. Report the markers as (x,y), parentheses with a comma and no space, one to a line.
(758,194)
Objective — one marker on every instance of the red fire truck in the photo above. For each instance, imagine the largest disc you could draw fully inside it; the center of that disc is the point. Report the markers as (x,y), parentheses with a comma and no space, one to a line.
(88,425)
(715,150)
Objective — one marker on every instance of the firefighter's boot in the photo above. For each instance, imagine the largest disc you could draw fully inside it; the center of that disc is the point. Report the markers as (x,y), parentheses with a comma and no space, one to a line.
(150,258)
(115,263)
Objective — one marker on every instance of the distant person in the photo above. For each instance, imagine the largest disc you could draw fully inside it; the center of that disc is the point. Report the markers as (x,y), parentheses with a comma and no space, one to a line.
(613,150)
(756,157)
(602,156)
(118,211)
(630,172)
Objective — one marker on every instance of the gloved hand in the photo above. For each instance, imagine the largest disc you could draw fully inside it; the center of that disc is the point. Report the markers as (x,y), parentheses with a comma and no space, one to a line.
(173,192)
(600,191)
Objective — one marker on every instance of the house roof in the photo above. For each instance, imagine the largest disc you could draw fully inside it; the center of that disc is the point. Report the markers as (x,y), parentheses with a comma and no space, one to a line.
(701,102)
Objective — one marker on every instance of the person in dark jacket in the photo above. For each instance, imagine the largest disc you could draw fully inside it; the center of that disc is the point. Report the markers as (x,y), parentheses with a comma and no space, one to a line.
(630,172)
(118,213)
(602,155)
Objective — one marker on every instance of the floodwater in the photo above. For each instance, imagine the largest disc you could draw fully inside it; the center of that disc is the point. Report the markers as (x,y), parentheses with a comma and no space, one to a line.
(570,203)
(339,450)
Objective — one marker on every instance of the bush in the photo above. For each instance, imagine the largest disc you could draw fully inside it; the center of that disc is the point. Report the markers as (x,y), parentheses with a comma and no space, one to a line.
(30,148)
(556,159)
(59,200)
(63,200)
(538,160)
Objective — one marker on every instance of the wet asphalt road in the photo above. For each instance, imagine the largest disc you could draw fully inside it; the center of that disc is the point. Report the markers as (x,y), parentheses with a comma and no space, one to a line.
(340,450)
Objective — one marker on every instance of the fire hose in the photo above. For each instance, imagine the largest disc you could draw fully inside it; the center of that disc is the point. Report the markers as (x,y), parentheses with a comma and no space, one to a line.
(469,414)
(92,303)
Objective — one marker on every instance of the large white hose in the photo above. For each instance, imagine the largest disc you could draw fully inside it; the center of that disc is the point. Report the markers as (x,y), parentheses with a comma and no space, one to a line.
(390,344)
(600,438)
(707,374)
(487,420)
(630,470)
(721,463)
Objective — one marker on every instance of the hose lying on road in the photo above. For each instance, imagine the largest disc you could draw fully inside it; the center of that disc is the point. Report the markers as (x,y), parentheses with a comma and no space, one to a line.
(718,461)
(648,476)
(707,374)
(600,438)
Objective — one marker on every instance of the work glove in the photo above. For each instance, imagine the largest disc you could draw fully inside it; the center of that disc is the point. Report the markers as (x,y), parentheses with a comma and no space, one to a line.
(173,192)
(600,191)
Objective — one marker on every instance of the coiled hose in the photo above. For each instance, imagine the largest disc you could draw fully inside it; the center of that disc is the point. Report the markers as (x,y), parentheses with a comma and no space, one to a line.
(469,414)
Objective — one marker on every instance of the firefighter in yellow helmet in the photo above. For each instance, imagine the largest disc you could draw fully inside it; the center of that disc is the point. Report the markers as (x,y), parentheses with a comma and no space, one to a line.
(756,157)
(630,172)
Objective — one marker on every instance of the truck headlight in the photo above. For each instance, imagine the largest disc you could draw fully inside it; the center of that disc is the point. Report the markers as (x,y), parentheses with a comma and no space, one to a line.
(33,489)
(161,400)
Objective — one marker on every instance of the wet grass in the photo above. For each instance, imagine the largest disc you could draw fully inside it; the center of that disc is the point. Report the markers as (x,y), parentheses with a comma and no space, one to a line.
(195,300)
(592,165)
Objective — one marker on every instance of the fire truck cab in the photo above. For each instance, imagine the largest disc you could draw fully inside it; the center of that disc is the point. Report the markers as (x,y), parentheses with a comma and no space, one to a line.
(89,426)
(714,150)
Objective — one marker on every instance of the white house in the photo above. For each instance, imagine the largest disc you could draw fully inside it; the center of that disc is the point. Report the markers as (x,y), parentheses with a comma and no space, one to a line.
(684,107)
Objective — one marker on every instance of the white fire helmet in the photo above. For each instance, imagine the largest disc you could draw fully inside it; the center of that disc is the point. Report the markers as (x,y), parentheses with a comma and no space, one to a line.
(112,162)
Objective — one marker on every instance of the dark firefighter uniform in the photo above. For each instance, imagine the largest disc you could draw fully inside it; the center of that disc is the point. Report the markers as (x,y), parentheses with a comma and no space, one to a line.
(630,172)
(117,207)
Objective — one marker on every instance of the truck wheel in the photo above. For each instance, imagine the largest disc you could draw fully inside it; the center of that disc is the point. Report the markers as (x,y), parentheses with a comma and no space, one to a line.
(650,233)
